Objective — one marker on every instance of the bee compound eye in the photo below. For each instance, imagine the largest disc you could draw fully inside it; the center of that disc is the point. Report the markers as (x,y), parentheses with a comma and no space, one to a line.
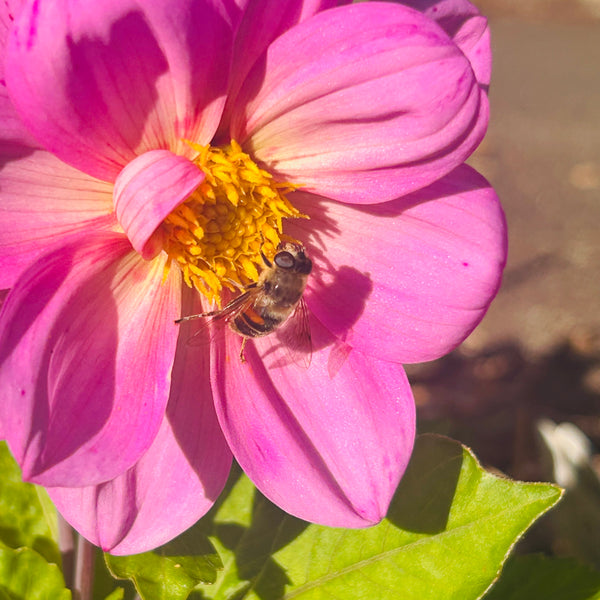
(284,260)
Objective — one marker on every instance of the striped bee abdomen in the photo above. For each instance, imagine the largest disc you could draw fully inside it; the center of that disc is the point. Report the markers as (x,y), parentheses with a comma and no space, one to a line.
(252,323)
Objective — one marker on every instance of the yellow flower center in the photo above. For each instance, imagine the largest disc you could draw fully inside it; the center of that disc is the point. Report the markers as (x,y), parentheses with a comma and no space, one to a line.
(217,234)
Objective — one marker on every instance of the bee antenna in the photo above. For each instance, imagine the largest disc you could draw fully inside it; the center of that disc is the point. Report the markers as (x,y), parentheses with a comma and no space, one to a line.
(265,259)
(262,254)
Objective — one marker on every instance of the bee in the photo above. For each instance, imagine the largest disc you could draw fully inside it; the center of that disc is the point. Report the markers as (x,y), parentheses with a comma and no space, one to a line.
(273,303)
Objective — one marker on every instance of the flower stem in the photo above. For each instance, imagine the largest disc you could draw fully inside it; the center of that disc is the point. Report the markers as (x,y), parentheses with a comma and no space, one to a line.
(84,570)
(66,545)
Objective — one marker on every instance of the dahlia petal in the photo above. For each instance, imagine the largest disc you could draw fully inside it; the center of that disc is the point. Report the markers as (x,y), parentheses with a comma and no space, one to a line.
(326,445)
(6,20)
(9,11)
(427,268)
(15,140)
(264,21)
(13,135)
(44,200)
(174,483)
(379,102)
(87,346)
(467,27)
(98,83)
(147,190)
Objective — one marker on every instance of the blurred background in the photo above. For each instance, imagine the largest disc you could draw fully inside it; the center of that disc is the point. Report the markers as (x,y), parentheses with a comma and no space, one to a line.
(534,362)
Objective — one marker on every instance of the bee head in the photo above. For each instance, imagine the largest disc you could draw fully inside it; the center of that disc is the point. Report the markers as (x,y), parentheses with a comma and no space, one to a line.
(292,257)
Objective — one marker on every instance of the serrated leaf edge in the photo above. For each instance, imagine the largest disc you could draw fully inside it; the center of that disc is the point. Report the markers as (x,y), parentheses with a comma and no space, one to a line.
(250,583)
(357,566)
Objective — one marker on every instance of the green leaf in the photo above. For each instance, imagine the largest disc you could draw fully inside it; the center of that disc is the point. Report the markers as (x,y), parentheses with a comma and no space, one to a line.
(447,534)
(171,571)
(105,585)
(25,575)
(117,594)
(27,516)
(539,577)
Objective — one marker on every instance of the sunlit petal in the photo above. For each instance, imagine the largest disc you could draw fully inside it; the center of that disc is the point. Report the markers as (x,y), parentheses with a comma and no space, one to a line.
(100,82)
(379,102)
(407,280)
(88,342)
(174,483)
(327,444)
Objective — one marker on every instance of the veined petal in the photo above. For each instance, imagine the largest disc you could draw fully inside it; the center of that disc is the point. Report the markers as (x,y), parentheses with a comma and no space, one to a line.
(467,27)
(87,346)
(362,103)
(9,11)
(44,200)
(327,444)
(174,483)
(264,21)
(15,140)
(406,280)
(13,135)
(7,16)
(98,83)
(147,190)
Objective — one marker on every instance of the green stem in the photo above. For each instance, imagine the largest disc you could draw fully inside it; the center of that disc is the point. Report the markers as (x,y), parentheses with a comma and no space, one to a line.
(84,570)
(66,545)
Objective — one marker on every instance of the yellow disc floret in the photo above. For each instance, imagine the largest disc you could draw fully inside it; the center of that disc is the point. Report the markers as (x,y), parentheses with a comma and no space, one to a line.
(217,234)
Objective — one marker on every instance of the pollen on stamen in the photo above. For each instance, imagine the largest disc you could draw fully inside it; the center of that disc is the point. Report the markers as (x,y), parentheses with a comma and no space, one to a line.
(217,234)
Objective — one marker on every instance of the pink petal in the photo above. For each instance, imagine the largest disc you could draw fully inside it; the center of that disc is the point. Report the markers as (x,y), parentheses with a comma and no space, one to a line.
(147,190)
(467,27)
(88,343)
(264,21)
(13,134)
(15,140)
(9,11)
(328,445)
(6,19)
(100,82)
(44,200)
(406,280)
(174,483)
(362,103)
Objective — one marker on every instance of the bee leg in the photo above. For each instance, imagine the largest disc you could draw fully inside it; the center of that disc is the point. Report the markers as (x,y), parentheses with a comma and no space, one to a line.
(212,313)
(242,357)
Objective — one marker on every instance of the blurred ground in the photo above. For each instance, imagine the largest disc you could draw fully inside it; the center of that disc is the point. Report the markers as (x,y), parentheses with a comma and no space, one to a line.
(537,352)
(542,154)
(541,10)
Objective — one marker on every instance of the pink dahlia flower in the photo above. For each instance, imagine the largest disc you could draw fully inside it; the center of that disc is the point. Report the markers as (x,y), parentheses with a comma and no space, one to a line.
(151,149)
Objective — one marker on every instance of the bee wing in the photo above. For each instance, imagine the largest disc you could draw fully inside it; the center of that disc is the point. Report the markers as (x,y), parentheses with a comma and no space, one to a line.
(294,337)
(207,330)
(213,323)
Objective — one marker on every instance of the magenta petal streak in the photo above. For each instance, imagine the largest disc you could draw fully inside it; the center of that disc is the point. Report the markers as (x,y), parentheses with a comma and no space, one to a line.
(13,132)
(327,444)
(88,342)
